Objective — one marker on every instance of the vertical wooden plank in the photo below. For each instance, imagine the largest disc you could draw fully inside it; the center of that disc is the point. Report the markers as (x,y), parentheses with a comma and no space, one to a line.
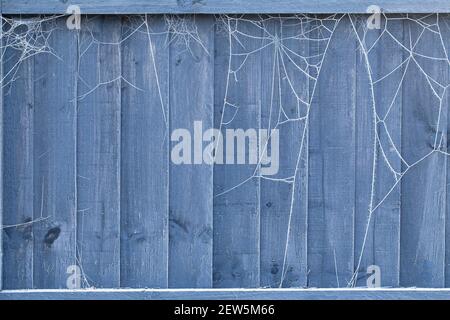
(236,186)
(283,200)
(444,28)
(191,197)
(1,153)
(365,155)
(377,216)
(144,149)
(18,164)
(55,158)
(98,152)
(332,163)
(424,121)
(446,101)
(386,205)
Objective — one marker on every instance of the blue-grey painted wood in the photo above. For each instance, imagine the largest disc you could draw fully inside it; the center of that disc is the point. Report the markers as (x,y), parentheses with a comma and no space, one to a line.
(45,177)
(55,160)
(377,215)
(145,151)
(217,294)
(388,98)
(444,28)
(423,206)
(446,100)
(332,163)
(1,168)
(223,6)
(365,138)
(18,178)
(236,186)
(284,202)
(98,152)
(191,185)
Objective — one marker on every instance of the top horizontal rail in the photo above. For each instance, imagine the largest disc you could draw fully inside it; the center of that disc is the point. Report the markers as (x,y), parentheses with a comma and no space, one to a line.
(222,6)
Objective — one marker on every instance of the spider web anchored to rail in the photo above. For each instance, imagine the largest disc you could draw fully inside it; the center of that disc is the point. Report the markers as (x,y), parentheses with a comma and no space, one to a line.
(289,53)
(284,39)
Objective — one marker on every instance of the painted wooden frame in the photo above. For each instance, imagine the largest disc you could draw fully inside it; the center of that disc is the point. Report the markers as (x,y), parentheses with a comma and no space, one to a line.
(222,6)
(229,294)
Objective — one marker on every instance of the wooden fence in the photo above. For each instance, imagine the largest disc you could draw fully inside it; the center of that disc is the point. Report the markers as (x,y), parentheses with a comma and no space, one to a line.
(88,179)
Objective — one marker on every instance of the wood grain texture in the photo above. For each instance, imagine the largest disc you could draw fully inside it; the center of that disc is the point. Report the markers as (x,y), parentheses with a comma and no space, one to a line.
(55,159)
(221,294)
(332,164)
(444,28)
(98,152)
(1,170)
(236,186)
(366,158)
(284,200)
(191,185)
(222,6)
(18,179)
(388,98)
(377,215)
(423,205)
(145,152)
(87,150)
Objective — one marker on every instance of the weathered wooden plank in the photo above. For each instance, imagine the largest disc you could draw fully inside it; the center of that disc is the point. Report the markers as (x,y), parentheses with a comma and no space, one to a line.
(331,181)
(366,156)
(98,151)
(223,6)
(191,194)
(446,100)
(386,203)
(424,129)
(284,200)
(444,28)
(18,164)
(145,150)
(1,164)
(377,215)
(55,158)
(236,186)
(232,294)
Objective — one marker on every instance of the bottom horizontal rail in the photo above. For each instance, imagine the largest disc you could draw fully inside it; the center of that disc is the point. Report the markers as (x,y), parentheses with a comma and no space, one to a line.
(228,294)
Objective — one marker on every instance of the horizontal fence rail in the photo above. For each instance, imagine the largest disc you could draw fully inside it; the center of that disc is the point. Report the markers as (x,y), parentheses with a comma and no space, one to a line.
(231,294)
(95,109)
(222,6)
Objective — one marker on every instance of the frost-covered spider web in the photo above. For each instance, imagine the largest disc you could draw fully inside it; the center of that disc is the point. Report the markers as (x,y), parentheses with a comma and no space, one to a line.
(290,53)
(420,55)
(290,76)
(21,39)
(421,62)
